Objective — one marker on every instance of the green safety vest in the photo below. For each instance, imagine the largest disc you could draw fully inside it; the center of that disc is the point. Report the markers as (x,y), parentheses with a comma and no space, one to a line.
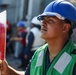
(63,64)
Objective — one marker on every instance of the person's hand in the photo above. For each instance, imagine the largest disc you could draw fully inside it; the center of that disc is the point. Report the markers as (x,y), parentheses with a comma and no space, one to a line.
(26,56)
(12,38)
(4,70)
(7,70)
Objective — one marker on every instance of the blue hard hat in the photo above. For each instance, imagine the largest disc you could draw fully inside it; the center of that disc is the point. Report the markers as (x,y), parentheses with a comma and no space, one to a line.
(20,24)
(61,9)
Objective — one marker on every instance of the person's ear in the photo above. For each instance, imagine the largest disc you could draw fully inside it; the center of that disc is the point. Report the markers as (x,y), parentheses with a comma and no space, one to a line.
(66,27)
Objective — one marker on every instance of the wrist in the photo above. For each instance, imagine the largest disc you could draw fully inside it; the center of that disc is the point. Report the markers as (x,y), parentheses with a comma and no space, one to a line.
(8,71)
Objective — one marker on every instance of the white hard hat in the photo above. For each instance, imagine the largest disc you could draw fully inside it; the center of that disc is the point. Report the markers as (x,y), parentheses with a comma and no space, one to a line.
(35,21)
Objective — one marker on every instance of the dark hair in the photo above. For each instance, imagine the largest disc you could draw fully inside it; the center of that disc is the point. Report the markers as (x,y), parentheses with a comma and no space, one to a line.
(71,29)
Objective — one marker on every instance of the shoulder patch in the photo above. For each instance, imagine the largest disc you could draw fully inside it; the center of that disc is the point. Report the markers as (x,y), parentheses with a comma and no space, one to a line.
(74,51)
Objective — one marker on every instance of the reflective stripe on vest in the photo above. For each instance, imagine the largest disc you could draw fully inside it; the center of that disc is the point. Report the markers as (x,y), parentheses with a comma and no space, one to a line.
(62,63)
